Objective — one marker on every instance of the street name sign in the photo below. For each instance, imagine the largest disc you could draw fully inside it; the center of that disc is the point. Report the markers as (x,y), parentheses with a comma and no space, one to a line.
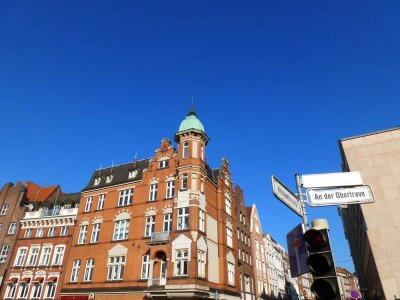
(297,251)
(338,196)
(283,194)
(328,180)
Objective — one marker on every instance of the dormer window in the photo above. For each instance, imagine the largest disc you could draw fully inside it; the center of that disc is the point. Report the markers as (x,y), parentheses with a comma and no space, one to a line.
(109,178)
(97,181)
(162,164)
(132,174)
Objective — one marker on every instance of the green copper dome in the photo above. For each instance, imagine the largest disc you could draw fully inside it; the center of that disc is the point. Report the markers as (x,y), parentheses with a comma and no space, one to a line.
(191,122)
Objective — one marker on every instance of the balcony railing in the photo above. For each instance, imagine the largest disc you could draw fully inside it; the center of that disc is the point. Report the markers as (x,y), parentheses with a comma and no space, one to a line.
(159,237)
(51,212)
(157,281)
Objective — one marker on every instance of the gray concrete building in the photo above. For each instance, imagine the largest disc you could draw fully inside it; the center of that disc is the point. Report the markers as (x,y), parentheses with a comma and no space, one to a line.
(373,230)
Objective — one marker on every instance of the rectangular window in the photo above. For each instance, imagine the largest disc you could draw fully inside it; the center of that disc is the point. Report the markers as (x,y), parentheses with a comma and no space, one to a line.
(88,204)
(116,267)
(145,266)
(39,232)
(201,264)
(20,259)
(170,189)
(100,203)
(150,222)
(167,222)
(153,192)
(121,230)
(181,262)
(4,252)
(45,256)
(228,206)
(52,231)
(202,220)
(27,233)
(75,271)
(231,274)
(95,233)
(4,209)
(163,164)
(247,283)
(125,197)
(64,230)
(10,291)
(33,255)
(58,256)
(229,235)
(50,290)
(12,228)
(184,185)
(23,290)
(183,218)
(82,234)
(185,152)
(89,270)
(36,290)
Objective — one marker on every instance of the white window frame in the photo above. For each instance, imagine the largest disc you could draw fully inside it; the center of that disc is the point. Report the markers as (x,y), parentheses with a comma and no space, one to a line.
(50,290)
(23,290)
(76,265)
(100,203)
(88,270)
(116,267)
(64,230)
(145,267)
(153,192)
(10,291)
(167,222)
(88,204)
(125,197)
(58,255)
(94,238)
(4,252)
(36,290)
(121,230)
(181,264)
(45,255)
(185,149)
(202,220)
(20,257)
(39,232)
(201,264)
(150,225)
(162,164)
(228,206)
(4,208)
(184,181)
(33,256)
(229,237)
(170,189)
(12,228)
(27,233)
(231,274)
(52,231)
(82,234)
(183,218)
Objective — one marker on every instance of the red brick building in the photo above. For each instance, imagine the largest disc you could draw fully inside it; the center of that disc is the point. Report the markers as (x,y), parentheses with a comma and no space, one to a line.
(159,227)
(37,264)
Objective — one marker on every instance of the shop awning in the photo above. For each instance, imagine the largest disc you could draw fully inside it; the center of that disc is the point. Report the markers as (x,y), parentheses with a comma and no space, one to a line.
(52,279)
(12,281)
(38,279)
(26,279)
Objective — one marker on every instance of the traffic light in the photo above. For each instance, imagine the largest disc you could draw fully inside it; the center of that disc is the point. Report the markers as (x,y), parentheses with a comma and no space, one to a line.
(320,261)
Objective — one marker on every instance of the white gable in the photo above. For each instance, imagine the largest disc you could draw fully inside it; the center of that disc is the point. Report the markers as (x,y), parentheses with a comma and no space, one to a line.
(230,258)
(117,250)
(201,244)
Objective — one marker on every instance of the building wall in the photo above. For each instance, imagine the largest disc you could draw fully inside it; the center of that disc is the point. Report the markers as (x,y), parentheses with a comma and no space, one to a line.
(10,197)
(372,229)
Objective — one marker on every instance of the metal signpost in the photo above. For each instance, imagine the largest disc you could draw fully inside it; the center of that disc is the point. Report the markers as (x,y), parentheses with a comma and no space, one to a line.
(297,251)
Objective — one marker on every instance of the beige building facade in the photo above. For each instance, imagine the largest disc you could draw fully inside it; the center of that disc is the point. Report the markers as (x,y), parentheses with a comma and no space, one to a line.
(373,230)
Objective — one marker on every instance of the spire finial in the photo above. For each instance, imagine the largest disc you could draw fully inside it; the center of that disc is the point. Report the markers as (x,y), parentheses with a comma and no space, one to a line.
(191,112)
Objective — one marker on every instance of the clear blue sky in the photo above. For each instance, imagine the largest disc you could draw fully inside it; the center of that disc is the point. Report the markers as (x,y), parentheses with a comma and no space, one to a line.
(276,84)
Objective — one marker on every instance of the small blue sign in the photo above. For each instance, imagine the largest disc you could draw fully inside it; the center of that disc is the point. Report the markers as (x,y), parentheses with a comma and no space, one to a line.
(297,251)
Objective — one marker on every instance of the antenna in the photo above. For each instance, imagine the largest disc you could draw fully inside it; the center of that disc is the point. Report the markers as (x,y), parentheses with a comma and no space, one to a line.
(101,165)
(112,166)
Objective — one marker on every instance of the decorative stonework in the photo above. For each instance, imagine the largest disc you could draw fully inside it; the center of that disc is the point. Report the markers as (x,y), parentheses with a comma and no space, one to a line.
(123,215)
(84,221)
(97,219)
(150,211)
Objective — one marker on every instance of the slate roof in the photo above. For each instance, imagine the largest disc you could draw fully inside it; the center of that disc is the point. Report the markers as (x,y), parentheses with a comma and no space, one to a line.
(69,198)
(212,174)
(120,174)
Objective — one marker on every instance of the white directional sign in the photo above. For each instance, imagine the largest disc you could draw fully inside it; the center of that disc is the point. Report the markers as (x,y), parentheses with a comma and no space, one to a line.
(331,180)
(337,196)
(286,196)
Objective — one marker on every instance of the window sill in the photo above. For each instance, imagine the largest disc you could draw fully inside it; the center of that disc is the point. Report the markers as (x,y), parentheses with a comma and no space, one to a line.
(176,277)
(169,198)
(183,230)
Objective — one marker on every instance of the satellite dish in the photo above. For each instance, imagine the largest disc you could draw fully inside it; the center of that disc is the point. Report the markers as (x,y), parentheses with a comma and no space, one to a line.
(29,206)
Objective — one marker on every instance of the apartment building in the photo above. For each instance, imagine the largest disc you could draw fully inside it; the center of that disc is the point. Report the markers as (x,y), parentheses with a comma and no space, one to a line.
(245,259)
(348,283)
(275,267)
(41,249)
(304,285)
(372,230)
(157,227)
(258,254)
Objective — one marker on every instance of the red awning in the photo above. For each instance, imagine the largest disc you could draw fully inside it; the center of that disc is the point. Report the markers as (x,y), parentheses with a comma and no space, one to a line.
(26,279)
(38,279)
(12,281)
(53,279)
